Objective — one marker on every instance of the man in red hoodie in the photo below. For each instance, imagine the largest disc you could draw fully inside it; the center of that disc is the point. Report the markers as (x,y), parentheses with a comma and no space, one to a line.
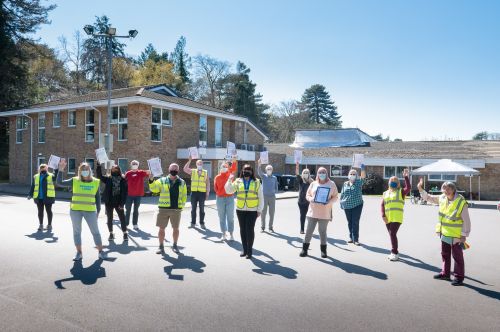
(225,201)
(135,181)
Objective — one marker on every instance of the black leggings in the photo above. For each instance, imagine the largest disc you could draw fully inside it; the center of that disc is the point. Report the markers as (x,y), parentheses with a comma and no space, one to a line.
(48,207)
(247,221)
(303,207)
(121,215)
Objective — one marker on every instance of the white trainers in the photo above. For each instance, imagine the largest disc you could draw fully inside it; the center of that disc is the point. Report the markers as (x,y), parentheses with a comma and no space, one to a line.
(231,237)
(393,257)
(136,227)
(103,255)
(78,256)
(222,237)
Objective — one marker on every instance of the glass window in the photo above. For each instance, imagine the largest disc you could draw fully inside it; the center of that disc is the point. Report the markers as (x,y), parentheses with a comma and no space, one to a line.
(71,118)
(90,161)
(56,119)
(390,171)
(449,177)
(89,126)
(166,117)
(122,123)
(122,132)
(203,131)
(21,125)
(41,128)
(40,160)
(442,177)
(123,163)
(218,133)
(339,170)
(71,165)
(156,124)
(114,115)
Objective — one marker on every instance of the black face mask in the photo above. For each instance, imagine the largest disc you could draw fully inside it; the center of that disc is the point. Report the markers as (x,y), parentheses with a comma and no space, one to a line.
(174,173)
(247,174)
(43,172)
(115,173)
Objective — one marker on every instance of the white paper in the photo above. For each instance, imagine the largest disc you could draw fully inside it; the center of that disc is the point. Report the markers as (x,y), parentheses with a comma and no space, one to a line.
(194,153)
(231,150)
(298,156)
(264,157)
(202,151)
(54,161)
(357,160)
(155,167)
(101,155)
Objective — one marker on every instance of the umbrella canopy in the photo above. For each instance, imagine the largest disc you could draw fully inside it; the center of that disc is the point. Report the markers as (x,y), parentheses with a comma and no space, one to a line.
(445,167)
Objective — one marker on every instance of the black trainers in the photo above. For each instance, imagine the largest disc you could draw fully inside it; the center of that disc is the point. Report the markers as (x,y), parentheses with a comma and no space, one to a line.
(111,237)
(440,276)
(350,241)
(125,237)
(161,250)
(457,282)
(203,226)
(175,248)
(243,254)
(271,229)
(40,228)
(49,227)
(192,225)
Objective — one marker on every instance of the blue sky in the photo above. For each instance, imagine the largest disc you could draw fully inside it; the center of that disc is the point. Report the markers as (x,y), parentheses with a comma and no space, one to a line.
(409,69)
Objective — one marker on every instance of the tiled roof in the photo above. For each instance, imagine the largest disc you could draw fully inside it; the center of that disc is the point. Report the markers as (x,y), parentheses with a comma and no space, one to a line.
(404,150)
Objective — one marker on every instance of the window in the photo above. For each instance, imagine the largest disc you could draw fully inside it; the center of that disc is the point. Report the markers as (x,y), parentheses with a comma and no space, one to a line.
(123,163)
(89,126)
(390,171)
(119,116)
(56,119)
(203,131)
(71,118)
(207,165)
(41,128)
(339,171)
(71,165)
(166,117)
(40,160)
(159,117)
(218,133)
(21,125)
(90,161)
(442,177)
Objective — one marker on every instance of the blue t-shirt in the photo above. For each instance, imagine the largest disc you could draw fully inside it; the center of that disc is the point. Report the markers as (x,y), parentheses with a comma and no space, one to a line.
(41,194)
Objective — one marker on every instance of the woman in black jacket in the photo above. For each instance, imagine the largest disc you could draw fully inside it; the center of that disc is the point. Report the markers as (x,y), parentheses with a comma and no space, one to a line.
(114,197)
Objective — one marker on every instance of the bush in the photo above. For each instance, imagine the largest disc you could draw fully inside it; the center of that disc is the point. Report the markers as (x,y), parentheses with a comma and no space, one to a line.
(374,184)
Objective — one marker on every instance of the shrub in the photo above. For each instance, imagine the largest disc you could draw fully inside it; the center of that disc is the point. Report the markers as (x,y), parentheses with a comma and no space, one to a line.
(374,184)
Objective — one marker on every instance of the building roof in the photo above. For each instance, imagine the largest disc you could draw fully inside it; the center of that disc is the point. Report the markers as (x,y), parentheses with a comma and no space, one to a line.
(403,150)
(316,138)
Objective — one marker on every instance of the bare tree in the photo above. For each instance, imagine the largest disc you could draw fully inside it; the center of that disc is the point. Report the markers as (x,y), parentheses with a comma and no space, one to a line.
(72,57)
(286,117)
(210,71)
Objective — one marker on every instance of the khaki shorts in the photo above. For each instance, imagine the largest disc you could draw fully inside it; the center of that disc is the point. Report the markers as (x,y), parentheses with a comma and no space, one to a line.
(166,215)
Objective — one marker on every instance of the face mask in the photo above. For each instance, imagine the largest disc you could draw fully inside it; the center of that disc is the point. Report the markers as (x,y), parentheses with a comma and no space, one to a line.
(85,173)
(269,172)
(199,167)
(305,176)
(174,172)
(352,177)
(134,167)
(223,169)
(43,172)
(394,185)
(322,176)
(247,174)
(115,173)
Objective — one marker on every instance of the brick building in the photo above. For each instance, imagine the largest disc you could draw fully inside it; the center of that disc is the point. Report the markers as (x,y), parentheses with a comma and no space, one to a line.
(147,122)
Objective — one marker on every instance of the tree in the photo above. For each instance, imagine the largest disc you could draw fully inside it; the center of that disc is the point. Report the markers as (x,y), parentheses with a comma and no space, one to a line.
(481,136)
(153,72)
(285,118)
(123,72)
(95,53)
(150,53)
(321,108)
(181,60)
(72,57)
(209,71)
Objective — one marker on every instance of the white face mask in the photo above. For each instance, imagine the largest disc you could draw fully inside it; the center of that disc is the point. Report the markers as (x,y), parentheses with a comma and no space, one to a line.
(269,172)
(85,173)
(223,170)
(352,177)
(199,167)
(322,176)
(305,176)
(134,167)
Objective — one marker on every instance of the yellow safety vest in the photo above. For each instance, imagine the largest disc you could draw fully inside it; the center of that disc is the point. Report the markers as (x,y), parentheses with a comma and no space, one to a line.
(250,198)
(162,186)
(51,192)
(83,198)
(198,182)
(394,205)
(450,216)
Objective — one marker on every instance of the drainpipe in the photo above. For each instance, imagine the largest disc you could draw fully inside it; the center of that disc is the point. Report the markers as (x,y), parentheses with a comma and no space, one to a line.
(31,147)
(99,112)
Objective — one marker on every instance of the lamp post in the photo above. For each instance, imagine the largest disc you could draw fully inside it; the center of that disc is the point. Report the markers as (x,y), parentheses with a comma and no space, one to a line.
(109,35)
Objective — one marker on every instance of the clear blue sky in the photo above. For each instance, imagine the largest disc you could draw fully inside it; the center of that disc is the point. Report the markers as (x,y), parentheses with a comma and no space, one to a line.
(412,69)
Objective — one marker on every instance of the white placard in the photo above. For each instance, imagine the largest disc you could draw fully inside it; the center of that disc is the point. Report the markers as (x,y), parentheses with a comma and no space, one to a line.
(264,157)
(357,160)
(155,167)
(193,152)
(54,161)
(101,155)
(202,151)
(231,150)
(298,156)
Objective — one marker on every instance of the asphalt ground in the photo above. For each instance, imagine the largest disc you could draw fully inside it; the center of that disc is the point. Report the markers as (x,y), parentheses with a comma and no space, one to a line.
(208,287)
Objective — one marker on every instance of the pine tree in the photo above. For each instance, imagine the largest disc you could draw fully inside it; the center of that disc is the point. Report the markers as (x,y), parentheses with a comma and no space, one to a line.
(181,60)
(150,53)
(322,110)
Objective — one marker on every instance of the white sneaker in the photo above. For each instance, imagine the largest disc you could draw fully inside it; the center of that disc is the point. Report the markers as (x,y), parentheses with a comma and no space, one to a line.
(393,257)
(222,237)
(78,256)
(136,227)
(103,255)
(231,237)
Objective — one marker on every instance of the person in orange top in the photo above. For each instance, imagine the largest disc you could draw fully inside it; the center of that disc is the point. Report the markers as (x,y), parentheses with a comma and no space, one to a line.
(225,201)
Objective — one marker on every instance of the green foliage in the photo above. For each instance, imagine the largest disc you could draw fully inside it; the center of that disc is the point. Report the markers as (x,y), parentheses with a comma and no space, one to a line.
(322,110)
(373,185)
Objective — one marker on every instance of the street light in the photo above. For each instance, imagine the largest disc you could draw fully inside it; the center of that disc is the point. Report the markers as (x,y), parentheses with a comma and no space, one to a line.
(109,35)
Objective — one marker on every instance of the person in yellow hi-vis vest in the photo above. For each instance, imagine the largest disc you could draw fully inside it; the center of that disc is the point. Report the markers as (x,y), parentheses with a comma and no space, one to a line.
(85,204)
(393,202)
(249,205)
(173,196)
(453,227)
(43,192)
(200,189)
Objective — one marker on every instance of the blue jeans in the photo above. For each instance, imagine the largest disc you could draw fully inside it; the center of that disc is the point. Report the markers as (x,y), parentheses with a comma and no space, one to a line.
(353,215)
(128,205)
(225,209)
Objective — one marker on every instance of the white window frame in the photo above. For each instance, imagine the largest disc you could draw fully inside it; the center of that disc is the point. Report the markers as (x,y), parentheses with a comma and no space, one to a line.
(93,163)
(218,134)
(441,179)
(39,161)
(339,176)
(69,117)
(157,124)
(89,125)
(54,118)
(202,116)
(126,163)
(74,171)
(19,131)
(120,122)
(395,172)
(41,116)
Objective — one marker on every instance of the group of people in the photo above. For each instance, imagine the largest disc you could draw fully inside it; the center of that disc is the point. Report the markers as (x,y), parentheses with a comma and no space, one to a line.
(253,198)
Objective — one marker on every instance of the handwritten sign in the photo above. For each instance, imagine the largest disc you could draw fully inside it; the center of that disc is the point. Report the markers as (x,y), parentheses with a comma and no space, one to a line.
(101,155)
(264,157)
(357,160)
(298,156)
(54,161)
(154,165)
(231,150)
(193,152)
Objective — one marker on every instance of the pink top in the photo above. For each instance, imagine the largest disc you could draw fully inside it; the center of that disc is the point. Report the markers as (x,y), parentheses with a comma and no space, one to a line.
(319,210)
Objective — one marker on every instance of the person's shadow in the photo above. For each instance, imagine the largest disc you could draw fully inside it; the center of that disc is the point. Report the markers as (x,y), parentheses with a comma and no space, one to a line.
(486,292)
(87,275)
(334,242)
(290,240)
(182,262)
(209,235)
(125,248)
(352,268)
(48,236)
(141,234)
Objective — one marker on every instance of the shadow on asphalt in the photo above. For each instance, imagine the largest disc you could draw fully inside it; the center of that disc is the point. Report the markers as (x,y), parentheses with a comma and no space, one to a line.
(290,240)
(352,268)
(87,275)
(141,234)
(48,236)
(208,234)
(124,248)
(483,206)
(486,292)
(182,262)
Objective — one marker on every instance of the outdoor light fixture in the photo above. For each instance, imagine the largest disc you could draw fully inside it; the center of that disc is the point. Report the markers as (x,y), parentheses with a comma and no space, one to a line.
(133,33)
(89,30)
(111,31)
